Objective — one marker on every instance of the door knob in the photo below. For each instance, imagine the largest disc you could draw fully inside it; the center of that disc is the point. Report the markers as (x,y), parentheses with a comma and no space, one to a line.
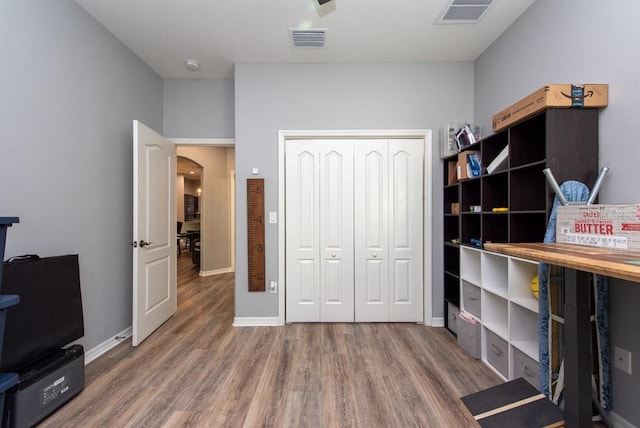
(143,243)
(375,254)
(333,254)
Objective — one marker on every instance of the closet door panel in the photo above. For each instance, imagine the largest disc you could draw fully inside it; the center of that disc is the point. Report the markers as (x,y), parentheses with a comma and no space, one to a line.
(372,231)
(406,230)
(336,231)
(303,241)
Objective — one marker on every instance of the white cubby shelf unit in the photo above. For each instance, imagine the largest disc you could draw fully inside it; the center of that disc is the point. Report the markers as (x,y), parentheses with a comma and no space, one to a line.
(497,291)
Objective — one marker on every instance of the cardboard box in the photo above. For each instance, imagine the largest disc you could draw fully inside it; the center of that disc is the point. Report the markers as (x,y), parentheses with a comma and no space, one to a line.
(607,226)
(452,172)
(455,208)
(555,95)
(464,168)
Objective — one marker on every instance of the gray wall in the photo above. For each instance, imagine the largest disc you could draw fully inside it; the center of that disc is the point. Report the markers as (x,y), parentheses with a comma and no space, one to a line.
(582,42)
(198,108)
(69,94)
(273,97)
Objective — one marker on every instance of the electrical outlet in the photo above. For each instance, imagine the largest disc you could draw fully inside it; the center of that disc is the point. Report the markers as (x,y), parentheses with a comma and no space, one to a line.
(622,359)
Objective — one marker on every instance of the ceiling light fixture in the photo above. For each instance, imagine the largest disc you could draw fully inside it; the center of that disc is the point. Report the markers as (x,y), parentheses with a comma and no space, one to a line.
(192,64)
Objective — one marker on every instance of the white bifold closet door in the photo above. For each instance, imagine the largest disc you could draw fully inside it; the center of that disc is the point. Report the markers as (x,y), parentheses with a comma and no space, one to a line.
(389,234)
(319,231)
(354,230)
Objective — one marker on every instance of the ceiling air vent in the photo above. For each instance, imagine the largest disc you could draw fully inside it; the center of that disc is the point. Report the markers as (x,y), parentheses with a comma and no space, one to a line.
(309,38)
(464,12)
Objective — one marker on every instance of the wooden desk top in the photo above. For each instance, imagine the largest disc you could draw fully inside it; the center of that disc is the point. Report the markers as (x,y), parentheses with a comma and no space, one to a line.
(604,261)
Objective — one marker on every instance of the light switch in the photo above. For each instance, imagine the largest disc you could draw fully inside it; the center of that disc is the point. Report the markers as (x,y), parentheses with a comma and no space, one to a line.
(622,359)
(255,171)
(273,217)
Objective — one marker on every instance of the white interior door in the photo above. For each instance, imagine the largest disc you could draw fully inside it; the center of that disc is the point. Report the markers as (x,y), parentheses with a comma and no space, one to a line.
(319,212)
(154,231)
(406,230)
(372,233)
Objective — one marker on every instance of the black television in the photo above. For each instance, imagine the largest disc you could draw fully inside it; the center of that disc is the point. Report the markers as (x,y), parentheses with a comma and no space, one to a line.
(49,315)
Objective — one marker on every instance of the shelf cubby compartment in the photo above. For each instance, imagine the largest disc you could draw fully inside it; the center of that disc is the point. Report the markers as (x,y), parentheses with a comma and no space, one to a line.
(450,171)
(451,228)
(527,226)
(452,288)
(495,313)
(495,227)
(494,273)
(452,260)
(495,191)
(471,227)
(492,146)
(470,194)
(521,273)
(524,330)
(450,196)
(525,141)
(527,188)
(470,264)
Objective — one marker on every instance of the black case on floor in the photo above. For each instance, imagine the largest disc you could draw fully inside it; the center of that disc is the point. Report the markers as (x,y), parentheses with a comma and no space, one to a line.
(44,386)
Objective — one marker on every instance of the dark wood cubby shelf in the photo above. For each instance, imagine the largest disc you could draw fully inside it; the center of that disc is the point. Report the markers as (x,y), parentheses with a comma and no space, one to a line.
(564,140)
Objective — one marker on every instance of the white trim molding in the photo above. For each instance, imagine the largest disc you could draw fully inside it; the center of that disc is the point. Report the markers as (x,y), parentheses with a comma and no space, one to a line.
(618,421)
(426,135)
(255,321)
(215,271)
(230,142)
(107,345)
(437,322)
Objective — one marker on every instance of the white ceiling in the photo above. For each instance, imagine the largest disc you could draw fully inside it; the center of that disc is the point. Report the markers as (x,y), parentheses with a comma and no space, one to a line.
(220,33)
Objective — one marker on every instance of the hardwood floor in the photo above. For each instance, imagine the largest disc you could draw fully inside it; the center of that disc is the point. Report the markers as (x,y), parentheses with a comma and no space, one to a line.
(198,370)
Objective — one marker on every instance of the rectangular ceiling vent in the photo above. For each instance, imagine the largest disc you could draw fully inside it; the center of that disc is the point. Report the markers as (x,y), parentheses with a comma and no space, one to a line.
(464,12)
(308,38)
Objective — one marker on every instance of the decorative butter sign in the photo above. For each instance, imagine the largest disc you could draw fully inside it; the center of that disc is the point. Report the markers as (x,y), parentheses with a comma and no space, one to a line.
(608,226)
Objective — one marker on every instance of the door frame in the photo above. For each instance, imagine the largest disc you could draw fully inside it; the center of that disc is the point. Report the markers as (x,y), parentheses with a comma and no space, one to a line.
(219,142)
(426,136)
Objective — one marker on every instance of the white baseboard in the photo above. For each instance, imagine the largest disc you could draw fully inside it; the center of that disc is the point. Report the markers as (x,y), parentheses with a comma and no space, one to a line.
(215,271)
(107,345)
(619,422)
(437,322)
(255,321)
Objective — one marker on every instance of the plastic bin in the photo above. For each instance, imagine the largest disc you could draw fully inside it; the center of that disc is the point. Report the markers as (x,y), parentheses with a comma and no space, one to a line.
(7,380)
(5,302)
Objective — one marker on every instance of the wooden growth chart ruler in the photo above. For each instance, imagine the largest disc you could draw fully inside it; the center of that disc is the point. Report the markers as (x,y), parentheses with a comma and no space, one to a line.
(255,233)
